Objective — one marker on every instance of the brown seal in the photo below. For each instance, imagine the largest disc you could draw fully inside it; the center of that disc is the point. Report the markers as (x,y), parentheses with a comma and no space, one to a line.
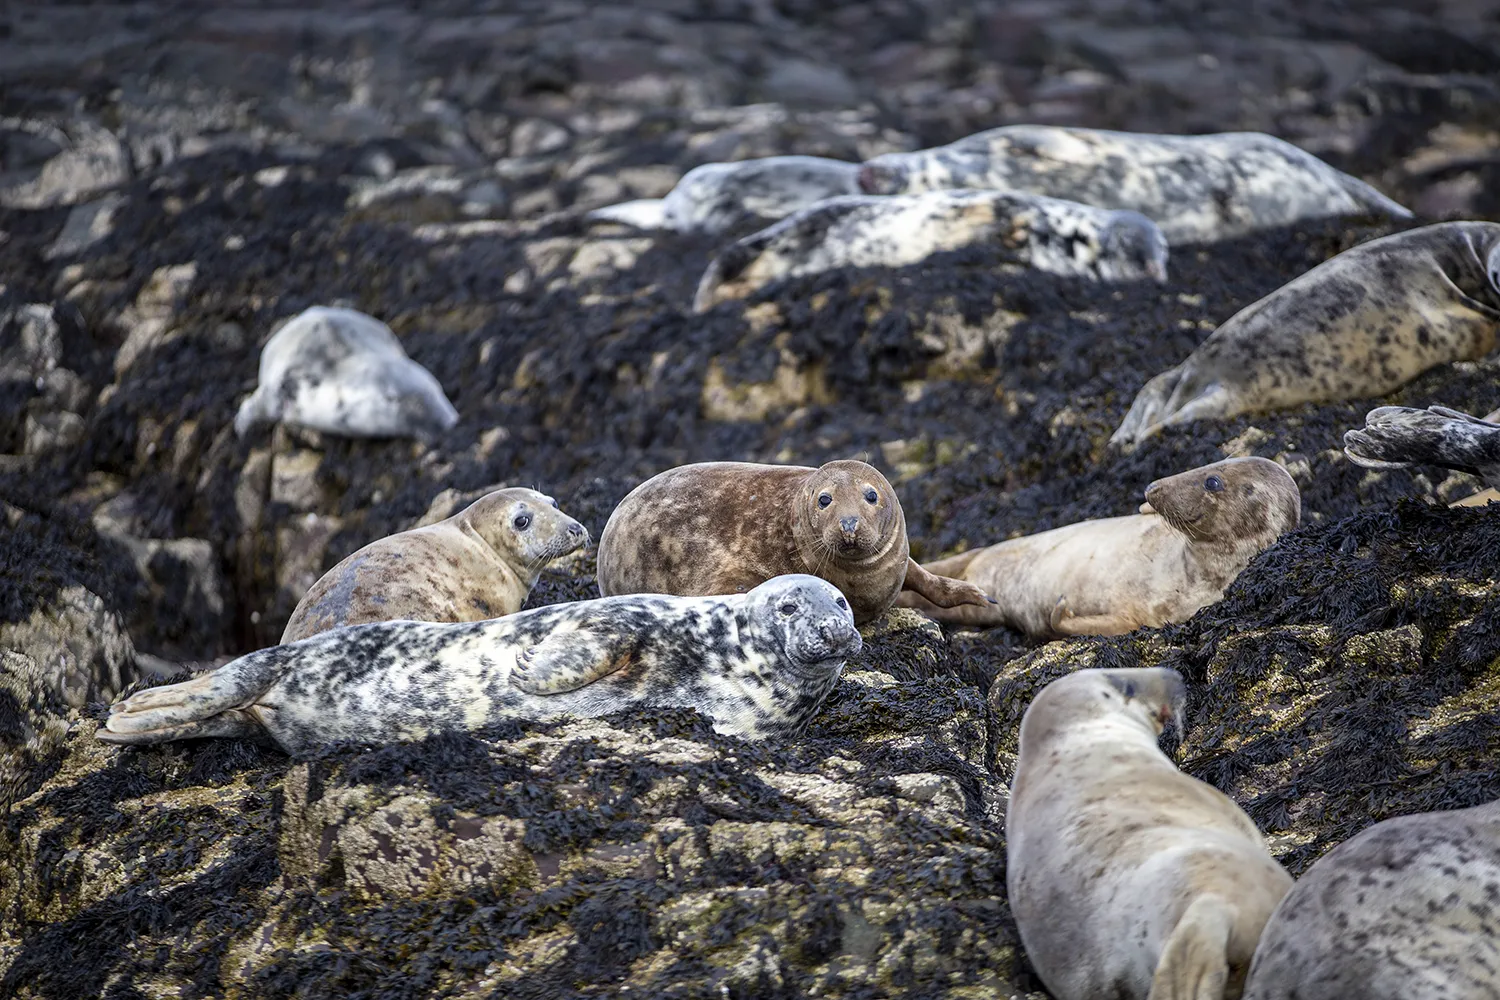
(1362,324)
(480,563)
(1195,533)
(1127,878)
(724,527)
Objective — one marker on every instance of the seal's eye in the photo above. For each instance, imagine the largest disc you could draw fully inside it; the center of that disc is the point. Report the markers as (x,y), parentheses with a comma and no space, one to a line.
(555,506)
(788,609)
(842,603)
(824,499)
(1213,484)
(871,496)
(522,521)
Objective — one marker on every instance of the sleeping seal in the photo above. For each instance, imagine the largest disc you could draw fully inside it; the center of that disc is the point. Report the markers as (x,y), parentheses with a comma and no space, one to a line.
(1196,532)
(715,196)
(1361,324)
(1197,188)
(1127,878)
(342,372)
(722,527)
(757,664)
(1059,237)
(480,563)
(1407,910)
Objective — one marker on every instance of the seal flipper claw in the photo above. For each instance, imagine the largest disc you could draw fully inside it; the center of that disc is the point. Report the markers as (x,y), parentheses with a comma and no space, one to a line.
(1194,964)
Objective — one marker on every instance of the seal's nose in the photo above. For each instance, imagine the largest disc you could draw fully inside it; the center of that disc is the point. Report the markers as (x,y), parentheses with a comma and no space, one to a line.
(849,525)
(576,530)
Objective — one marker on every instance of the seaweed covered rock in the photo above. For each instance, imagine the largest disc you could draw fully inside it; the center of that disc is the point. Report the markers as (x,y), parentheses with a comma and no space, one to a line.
(1348,676)
(640,852)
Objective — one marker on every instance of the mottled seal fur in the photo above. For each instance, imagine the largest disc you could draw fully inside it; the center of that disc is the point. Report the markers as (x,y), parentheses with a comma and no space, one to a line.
(344,373)
(716,196)
(723,527)
(1127,878)
(1397,436)
(1359,325)
(480,563)
(1060,237)
(1407,910)
(1195,533)
(1197,188)
(758,664)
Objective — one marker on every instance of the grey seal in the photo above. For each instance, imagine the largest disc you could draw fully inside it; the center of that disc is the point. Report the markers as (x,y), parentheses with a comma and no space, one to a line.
(344,373)
(1127,878)
(712,197)
(1198,188)
(1360,324)
(1407,910)
(1048,234)
(758,664)
(1397,436)
(1195,533)
(480,563)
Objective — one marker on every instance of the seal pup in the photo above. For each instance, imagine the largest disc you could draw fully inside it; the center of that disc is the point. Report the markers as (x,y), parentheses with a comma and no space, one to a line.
(343,372)
(758,664)
(1059,237)
(1126,877)
(713,197)
(1198,188)
(1395,437)
(724,527)
(1194,535)
(1408,909)
(480,563)
(1361,324)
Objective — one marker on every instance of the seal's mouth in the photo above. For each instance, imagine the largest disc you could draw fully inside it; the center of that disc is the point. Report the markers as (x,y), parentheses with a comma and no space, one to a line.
(834,640)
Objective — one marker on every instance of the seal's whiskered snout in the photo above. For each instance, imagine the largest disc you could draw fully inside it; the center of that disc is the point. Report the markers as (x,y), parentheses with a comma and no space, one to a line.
(849,525)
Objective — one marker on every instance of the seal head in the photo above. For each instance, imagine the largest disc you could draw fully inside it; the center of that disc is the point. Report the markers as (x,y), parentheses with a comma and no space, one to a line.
(526,527)
(1149,697)
(1237,500)
(1131,246)
(806,618)
(847,511)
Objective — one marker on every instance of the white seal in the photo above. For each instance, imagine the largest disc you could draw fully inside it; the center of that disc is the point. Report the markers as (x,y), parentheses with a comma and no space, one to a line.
(344,373)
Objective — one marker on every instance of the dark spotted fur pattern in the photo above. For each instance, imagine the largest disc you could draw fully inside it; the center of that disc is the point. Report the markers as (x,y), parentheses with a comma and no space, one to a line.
(1407,910)
(758,664)
(1360,325)
(1397,436)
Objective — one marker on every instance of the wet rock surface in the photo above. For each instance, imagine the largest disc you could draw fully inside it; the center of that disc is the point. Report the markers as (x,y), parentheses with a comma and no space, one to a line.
(174,181)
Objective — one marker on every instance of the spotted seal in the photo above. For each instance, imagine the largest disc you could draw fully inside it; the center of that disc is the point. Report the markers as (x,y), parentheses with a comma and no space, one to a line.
(1126,877)
(1358,325)
(1059,237)
(758,664)
(1196,532)
(480,563)
(342,372)
(1409,908)
(1197,188)
(715,196)
(1397,436)
(722,527)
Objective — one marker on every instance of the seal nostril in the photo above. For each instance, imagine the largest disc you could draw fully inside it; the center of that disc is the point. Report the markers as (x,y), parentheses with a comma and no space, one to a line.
(849,524)
(575,530)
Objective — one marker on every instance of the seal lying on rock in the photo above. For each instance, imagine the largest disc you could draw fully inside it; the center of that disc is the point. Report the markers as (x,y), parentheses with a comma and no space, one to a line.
(1060,237)
(480,563)
(1127,878)
(1410,908)
(342,372)
(1359,325)
(758,664)
(1397,436)
(715,196)
(723,527)
(1196,532)
(1198,188)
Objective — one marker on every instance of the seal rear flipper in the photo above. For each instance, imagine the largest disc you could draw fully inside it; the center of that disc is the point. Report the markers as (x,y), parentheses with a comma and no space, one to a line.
(1370,198)
(1146,411)
(233,724)
(570,660)
(1194,964)
(1397,436)
(644,213)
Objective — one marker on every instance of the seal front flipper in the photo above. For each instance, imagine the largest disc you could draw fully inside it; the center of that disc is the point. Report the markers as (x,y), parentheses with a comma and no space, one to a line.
(211,704)
(943,591)
(1194,964)
(1147,409)
(571,660)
